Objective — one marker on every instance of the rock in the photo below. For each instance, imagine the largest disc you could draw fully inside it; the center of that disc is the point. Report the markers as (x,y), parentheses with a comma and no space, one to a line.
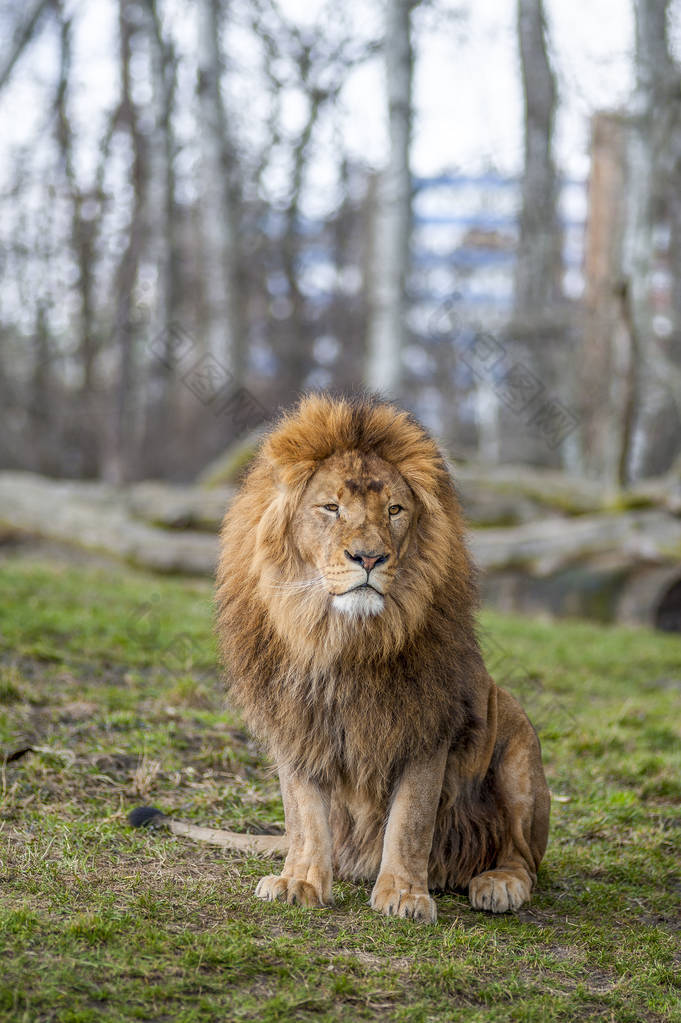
(548,488)
(578,591)
(664,491)
(623,566)
(95,516)
(630,594)
(540,548)
(179,507)
(482,507)
(651,597)
(229,467)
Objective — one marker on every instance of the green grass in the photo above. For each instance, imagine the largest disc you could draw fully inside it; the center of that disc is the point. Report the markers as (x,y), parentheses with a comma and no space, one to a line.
(112,675)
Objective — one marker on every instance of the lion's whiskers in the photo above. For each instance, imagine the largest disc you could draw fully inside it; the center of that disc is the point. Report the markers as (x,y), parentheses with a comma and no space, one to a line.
(304,584)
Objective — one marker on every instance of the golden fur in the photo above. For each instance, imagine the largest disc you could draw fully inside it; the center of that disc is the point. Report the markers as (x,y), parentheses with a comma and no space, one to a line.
(346,605)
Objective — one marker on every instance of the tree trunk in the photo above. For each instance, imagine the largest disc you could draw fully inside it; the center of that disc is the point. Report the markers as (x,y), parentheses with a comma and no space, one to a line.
(24,33)
(224,330)
(83,244)
(387,331)
(538,265)
(119,464)
(166,315)
(655,172)
(536,339)
(607,364)
(294,346)
(42,399)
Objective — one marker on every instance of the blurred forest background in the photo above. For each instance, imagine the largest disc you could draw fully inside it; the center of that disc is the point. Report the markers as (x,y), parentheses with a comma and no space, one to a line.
(206,208)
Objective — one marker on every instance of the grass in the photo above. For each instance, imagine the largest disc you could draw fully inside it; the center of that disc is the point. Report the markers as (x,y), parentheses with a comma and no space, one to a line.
(111,675)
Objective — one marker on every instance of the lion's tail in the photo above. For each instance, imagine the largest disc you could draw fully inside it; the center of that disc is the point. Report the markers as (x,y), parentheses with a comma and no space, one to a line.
(149,816)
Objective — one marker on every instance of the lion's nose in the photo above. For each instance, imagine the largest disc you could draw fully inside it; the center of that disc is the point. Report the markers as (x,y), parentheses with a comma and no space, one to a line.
(367,561)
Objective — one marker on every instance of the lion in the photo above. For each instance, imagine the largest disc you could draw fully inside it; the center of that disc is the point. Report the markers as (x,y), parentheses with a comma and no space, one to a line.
(345,615)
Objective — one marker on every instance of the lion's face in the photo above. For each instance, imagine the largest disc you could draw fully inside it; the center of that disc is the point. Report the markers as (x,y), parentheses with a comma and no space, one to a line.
(343,544)
(352,529)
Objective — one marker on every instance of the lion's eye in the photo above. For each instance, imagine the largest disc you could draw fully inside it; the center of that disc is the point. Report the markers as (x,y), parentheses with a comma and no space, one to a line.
(331,507)
(394,509)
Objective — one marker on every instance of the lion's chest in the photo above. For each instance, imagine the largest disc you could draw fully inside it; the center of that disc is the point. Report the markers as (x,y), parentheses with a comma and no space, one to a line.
(351,731)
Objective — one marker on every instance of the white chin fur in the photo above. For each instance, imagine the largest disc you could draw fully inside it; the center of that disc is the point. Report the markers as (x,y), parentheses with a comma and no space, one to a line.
(359,603)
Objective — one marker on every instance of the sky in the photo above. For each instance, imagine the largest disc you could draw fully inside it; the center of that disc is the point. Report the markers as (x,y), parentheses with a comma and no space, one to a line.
(467,95)
(467,98)
(468,104)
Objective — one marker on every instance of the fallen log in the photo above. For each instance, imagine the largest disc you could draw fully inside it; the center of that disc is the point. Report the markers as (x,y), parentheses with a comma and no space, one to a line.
(96,517)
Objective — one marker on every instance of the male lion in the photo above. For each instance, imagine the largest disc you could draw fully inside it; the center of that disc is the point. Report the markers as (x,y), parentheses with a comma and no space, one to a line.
(345,619)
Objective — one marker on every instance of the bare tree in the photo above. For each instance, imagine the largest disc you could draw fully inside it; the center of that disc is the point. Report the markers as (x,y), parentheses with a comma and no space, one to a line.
(83,241)
(179,213)
(224,328)
(387,329)
(654,156)
(630,371)
(608,361)
(23,32)
(537,329)
(119,463)
(315,61)
(165,243)
(282,39)
(538,266)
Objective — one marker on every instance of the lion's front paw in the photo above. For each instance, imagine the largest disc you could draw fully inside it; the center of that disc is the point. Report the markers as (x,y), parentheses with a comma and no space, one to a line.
(294,890)
(498,891)
(396,897)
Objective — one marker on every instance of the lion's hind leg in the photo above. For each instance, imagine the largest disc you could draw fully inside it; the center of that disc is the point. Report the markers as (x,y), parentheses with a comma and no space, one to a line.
(523,792)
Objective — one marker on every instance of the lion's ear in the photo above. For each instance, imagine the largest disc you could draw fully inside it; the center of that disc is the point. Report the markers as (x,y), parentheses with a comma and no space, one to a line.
(427,500)
(288,474)
(291,459)
(288,477)
(428,483)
